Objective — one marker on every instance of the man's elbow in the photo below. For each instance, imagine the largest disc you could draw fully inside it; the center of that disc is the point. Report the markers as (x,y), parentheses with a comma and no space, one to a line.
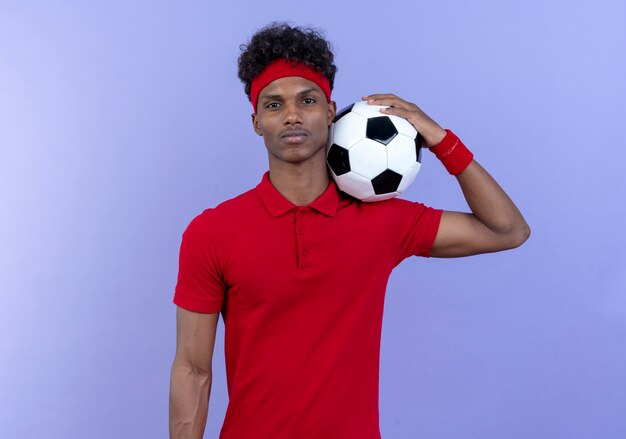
(518,235)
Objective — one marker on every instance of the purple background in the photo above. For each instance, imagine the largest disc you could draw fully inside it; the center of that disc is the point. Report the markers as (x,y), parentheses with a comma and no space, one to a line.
(120,122)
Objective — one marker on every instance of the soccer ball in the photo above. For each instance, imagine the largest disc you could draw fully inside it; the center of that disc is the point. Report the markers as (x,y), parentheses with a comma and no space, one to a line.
(372,156)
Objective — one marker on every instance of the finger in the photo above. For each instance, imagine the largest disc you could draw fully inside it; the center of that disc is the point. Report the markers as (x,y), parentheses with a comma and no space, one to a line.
(379,96)
(391,102)
(414,117)
(397,111)
(385,99)
(396,103)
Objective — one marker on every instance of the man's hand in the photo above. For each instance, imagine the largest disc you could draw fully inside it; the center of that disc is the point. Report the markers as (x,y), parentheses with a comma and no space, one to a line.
(430,131)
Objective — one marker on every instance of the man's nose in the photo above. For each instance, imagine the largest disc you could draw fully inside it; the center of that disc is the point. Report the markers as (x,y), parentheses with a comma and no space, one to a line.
(293,114)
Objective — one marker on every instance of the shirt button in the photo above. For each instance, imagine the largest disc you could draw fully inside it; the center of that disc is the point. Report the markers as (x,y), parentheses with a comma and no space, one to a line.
(305,253)
(302,231)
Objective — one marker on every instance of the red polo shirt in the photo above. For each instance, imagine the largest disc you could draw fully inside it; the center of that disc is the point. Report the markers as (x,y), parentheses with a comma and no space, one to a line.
(301,291)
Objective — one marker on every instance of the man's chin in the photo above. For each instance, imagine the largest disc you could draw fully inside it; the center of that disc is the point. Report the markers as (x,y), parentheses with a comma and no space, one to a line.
(298,156)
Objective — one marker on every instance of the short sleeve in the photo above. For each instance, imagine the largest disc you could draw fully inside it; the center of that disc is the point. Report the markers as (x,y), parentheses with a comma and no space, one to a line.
(413,228)
(200,286)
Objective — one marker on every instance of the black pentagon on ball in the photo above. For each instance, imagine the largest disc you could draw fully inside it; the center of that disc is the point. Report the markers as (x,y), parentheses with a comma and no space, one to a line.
(338,159)
(419,140)
(343,112)
(381,129)
(386,182)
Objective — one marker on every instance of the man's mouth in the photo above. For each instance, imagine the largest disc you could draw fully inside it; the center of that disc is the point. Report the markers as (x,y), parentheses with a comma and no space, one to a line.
(294,136)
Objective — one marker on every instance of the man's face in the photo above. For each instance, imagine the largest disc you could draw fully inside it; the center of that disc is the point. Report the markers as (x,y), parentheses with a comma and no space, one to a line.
(293,117)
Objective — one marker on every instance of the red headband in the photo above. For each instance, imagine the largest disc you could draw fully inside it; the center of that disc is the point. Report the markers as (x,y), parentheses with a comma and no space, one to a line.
(282,68)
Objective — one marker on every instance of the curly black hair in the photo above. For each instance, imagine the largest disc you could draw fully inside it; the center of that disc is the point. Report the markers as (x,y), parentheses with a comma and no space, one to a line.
(279,40)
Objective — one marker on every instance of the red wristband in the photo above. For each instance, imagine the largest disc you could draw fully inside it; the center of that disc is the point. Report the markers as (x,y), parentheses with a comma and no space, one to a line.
(452,153)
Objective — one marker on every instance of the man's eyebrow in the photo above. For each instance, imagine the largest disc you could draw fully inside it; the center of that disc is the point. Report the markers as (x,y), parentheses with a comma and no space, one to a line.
(273,97)
(307,91)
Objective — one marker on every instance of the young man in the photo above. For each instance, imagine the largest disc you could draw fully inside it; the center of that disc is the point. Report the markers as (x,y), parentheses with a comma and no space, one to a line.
(300,291)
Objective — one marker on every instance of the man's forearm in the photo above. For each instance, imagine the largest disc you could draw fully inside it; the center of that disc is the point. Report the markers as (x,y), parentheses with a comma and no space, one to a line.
(489,203)
(189,402)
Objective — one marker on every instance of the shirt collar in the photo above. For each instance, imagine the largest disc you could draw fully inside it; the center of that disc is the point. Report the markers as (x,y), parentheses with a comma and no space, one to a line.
(277,205)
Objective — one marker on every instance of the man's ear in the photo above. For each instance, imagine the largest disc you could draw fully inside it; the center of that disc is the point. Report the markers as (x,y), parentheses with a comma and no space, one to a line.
(332,111)
(255,124)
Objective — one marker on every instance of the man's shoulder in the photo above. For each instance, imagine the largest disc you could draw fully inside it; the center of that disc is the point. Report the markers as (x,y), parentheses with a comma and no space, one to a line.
(230,210)
(245,200)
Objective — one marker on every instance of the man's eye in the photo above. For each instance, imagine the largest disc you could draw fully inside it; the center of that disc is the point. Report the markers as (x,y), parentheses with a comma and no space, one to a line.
(309,101)
(272,105)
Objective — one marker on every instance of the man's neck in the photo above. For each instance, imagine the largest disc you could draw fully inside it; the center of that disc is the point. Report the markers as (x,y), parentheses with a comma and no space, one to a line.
(300,184)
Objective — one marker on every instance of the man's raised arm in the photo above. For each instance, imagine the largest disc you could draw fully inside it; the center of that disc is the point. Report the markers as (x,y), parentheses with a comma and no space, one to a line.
(495,223)
(190,379)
